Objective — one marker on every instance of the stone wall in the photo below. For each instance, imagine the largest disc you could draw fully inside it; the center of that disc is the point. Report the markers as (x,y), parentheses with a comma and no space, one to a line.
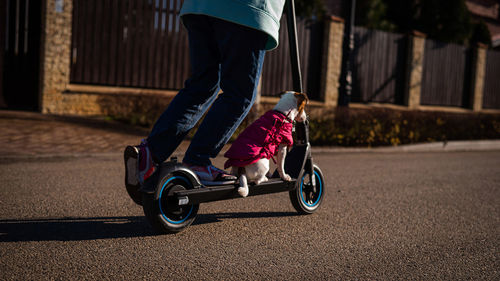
(332,60)
(58,96)
(415,67)
(55,56)
(479,70)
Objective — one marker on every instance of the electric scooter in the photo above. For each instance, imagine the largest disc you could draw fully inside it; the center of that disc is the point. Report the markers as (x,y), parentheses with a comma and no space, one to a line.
(171,197)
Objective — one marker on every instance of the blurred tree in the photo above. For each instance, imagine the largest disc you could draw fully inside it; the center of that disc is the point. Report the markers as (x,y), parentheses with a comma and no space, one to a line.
(481,34)
(401,13)
(444,20)
(310,8)
(374,14)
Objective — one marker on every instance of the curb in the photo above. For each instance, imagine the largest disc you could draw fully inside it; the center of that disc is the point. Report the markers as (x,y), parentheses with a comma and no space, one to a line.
(450,146)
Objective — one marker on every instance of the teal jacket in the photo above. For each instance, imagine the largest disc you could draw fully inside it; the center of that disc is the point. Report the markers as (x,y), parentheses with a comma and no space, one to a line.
(262,15)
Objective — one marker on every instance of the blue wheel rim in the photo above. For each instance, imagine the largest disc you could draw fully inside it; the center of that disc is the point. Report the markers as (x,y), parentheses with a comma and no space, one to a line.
(319,184)
(159,202)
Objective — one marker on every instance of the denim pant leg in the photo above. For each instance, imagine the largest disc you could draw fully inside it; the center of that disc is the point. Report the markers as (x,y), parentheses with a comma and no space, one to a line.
(198,93)
(242,52)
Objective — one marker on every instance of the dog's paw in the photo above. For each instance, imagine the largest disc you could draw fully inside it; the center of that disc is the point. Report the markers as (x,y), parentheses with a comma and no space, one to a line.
(243,191)
(286,177)
(261,180)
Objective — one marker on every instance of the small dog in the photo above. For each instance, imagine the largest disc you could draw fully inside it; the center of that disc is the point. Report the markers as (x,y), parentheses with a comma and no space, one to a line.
(249,154)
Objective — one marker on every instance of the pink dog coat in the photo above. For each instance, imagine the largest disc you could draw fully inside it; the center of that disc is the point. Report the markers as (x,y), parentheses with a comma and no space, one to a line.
(260,140)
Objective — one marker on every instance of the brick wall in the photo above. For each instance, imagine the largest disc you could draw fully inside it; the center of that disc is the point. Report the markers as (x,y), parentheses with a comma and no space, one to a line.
(58,96)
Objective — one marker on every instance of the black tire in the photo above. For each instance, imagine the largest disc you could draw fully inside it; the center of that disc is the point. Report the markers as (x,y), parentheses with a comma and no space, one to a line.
(306,198)
(163,211)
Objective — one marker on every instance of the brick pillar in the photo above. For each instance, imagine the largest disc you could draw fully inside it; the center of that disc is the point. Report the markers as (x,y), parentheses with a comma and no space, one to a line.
(416,50)
(56,52)
(332,60)
(478,73)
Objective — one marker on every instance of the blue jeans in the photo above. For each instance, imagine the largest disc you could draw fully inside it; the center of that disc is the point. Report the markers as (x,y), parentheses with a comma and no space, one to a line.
(224,56)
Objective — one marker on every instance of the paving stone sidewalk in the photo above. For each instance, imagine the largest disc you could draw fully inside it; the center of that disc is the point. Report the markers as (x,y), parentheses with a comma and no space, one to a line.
(35,134)
(30,133)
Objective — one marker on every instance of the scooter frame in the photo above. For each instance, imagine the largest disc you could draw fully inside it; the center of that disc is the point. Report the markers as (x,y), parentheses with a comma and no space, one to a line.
(171,197)
(297,162)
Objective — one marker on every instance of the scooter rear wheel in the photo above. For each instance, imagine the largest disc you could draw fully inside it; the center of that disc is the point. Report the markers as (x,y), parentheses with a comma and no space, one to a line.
(163,210)
(307,197)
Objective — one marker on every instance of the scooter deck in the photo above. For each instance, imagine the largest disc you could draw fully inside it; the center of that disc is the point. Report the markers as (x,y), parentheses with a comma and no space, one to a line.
(224,192)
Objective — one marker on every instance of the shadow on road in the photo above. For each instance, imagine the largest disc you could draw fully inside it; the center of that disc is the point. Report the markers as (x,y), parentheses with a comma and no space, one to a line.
(212,218)
(78,229)
(73,229)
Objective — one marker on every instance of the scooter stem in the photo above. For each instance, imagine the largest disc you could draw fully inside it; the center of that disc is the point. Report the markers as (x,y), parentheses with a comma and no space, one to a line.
(293,43)
(296,74)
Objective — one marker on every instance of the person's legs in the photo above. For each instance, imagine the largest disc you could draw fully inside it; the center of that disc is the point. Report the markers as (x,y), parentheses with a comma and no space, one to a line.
(199,91)
(185,109)
(242,52)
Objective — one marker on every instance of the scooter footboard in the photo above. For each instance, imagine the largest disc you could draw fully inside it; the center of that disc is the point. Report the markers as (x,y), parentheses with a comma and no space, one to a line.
(224,192)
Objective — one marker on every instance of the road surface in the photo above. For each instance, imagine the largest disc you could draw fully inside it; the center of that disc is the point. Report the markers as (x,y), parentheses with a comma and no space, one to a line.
(386,216)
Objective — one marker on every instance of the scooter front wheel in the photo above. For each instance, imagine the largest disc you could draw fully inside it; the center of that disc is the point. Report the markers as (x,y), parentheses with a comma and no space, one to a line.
(162,208)
(310,192)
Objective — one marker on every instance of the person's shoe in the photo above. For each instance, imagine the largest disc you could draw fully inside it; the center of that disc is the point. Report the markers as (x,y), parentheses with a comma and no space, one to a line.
(210,175)
(130,155)
(139,164)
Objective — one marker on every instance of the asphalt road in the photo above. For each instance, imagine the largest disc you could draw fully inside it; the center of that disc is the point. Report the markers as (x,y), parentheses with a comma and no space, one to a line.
(386,216)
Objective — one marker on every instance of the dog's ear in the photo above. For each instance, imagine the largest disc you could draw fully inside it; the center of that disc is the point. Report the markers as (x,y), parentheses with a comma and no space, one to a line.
(302,101)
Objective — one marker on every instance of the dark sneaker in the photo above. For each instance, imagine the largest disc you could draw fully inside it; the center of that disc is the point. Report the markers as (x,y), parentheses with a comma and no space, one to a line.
(139,165)
(210,175)
(131,155)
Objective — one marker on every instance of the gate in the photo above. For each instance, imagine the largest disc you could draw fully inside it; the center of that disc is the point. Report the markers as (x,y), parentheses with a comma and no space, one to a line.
(379,66)
(141,43)
(277,70)
(446,74)
(21,53)
(129,43)
(491,94)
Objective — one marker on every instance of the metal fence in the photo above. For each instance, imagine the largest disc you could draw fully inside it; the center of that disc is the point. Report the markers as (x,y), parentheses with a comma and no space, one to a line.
(491,94)
(446,74)
(141,43)
(379,66)
(132,43)
(276,74)
(20,52)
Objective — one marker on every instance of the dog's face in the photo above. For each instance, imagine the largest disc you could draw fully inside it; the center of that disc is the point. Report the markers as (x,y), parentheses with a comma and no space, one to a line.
(293,104)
